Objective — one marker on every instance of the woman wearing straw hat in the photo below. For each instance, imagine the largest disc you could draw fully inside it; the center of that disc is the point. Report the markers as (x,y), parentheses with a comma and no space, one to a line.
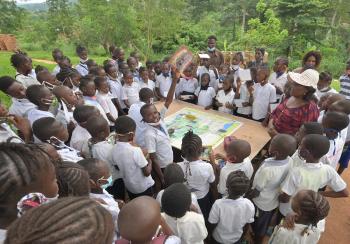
(299,108)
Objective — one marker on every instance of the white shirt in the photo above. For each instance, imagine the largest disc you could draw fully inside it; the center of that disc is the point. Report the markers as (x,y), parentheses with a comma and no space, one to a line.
(244,96)
(186,86)
(35,114)
(56,70)
(246,166)
(92,101)
(263,96)
(103,151)
(117,91)
(268,180)
(335,149)
(26,80)
(205,97)
(158,142)
(130,161)
(65,117)
(82,69)
(279,82)
(310,176)
(213,81)
(132,92)
(6,132)
(319,93)
(2,235)
(231,216)
(163,83)
(79,136)
(105,100)
(198,175)
(69,154)
(150,84)
(134,113)
(193,200)
(21,107)
(283,235)
(224,98)
(189,228)
(296,160)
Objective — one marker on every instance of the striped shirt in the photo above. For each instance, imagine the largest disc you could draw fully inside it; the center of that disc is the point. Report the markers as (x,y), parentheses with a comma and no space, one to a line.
(345,85)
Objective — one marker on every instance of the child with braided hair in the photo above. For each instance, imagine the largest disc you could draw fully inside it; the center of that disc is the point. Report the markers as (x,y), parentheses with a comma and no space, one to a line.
(310,207)
(229,217)
(199,175)
(67,220)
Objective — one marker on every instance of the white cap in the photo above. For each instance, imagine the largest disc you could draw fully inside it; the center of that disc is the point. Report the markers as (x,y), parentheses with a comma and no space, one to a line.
(309,78)
(204,56)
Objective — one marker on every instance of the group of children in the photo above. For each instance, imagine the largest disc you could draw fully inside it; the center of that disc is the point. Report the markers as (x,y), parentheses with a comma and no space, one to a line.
(86,156)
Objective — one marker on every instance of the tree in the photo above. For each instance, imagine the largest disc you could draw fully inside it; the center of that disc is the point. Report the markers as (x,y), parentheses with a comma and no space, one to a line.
(59,18)
(11,17)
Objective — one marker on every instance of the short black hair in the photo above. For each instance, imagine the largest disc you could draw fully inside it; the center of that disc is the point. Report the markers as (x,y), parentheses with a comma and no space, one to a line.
(335,120)
(108,66)
(91,166)
(83,112)
(17,59)
(96,124)
(6,82)
(317,56)
(176,200)
(142,69)
(341,106)
(85,80)
(124,124)
(145,93)
(317,145)
(285,143)
(95,70)
(90,63)
(284,60)
(173,174)
(237,184)
(262,50)
(212,37)
(79,49)
(46,127)
(40,68)
(313,128)
(325,76)
(35,92)
(99,79)
(144,108)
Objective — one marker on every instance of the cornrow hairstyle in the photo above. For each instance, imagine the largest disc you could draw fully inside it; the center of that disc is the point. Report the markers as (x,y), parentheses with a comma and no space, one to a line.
(72,180)
(80,49)
(336,120)
(173,174)
(20,166)
(67,220)
(46,127)
(176,200)
(237,184)
(313,206)
(317,56)
(83,112)
(191,146)
(35,92)
(91,166)
(313,128)
(5,83)
(17,59)
(124,124)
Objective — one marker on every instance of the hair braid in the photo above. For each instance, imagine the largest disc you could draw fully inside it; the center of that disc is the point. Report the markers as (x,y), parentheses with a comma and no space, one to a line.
(191,146)
(237,184)
(67,220)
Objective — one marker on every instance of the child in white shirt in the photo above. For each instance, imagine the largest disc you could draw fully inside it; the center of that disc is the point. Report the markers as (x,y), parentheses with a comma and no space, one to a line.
(225,96)
(144,80)
(115,87)
(324,85)
(205,94)
(104,98)
(310,207)
(242,98)
(187,86)
(57,55)
(82,67)
(24,73)
(267,182)
(237,159)
(231,215)
(130,160)
(199,175)
(188,226)
(223,72)
(163,81)
(206,68)
(264,94)
(279,77)
(131,89)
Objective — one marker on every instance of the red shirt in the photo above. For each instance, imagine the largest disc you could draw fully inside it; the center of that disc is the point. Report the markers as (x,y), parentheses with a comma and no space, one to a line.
(288,120)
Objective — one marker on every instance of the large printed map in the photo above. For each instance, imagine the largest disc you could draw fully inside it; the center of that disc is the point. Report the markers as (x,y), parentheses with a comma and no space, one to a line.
(211,128)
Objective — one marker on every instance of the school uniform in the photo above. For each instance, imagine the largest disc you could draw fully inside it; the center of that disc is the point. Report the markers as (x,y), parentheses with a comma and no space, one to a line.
(224,98)
(56,70)
(190,228)
(267,181)
(236,71)
(163,83)
(186,86)
(26,80)
(35,114)
(231,216)
(8,135)
(283,235)
(82,68)
(116,88)
(263,97)
(244,97)
(246,166)
(149,84)
(345,86)
(278,80)
(3,234)
(134,113)
(311,176)
(21,107)
(105,100)
(65,116)
(213,78)
(69,154)
(130,161)
(321,93)
(92,101)
(205,97)
(335,149)
(79,136)
(132,92)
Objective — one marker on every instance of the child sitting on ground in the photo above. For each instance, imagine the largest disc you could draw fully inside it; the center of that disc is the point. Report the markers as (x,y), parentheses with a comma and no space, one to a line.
(309,207)
(131,89)
(205,94)
(267,182)
(82,67)
(230,216)
(116,87)
(324,85)
(43,98)
(237,159)
(130,161)
(225,96)
(187,86)
(104,98)
(187,225)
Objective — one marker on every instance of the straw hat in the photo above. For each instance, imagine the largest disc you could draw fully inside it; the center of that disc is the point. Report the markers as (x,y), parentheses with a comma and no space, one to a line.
(308,78)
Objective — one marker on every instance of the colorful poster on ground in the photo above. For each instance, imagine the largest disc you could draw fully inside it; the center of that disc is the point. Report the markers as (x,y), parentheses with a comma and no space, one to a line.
(211,128)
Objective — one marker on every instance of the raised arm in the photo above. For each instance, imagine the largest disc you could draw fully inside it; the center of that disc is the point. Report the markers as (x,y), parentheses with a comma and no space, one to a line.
(170,96)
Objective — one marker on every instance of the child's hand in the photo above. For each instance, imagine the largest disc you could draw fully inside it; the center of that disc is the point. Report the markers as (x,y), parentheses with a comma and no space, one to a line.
(238,82)
(253,193)
(219,104)
(176,73)
(121,203)
(171,131)
(229,105)
(246,104)
(251,90)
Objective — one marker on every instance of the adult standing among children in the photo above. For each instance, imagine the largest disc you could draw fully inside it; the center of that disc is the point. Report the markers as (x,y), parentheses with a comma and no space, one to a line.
(311,60)
(299,108)
(216,57)
(259,59)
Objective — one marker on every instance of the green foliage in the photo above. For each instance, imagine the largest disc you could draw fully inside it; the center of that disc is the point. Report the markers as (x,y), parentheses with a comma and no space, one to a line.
(11,17)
